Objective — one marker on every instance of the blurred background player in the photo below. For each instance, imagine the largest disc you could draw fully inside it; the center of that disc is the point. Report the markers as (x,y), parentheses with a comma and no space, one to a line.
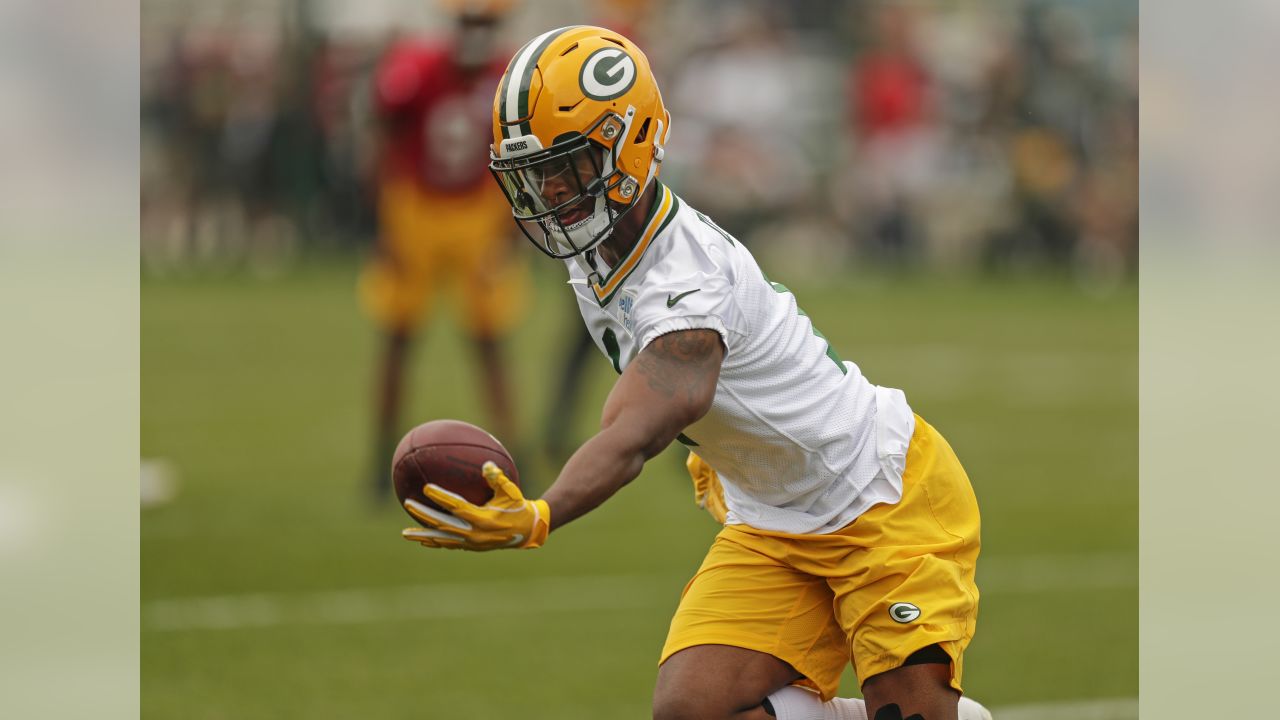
(441,221)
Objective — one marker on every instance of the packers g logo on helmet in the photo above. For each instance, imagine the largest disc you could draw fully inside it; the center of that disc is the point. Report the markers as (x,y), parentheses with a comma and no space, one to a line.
(579,130)
(607,74)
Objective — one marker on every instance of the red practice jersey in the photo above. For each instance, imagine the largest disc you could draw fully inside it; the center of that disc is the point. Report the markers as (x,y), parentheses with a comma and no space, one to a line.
(436,115)
(890,92)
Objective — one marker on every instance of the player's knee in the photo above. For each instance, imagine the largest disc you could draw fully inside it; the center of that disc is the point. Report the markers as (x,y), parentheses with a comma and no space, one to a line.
(923,687)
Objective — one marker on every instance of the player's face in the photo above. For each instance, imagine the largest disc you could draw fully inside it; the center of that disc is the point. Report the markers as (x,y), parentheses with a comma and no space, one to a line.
(566,178)
(565,185)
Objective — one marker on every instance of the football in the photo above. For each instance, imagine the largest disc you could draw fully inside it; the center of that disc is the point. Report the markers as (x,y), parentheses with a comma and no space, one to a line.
(448,453)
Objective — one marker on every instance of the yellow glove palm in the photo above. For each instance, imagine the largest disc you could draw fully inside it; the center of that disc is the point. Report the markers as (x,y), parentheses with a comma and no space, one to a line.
(508,520)
(707,491)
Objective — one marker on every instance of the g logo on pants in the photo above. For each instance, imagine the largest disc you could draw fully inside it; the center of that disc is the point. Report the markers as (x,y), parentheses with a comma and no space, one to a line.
(903,612)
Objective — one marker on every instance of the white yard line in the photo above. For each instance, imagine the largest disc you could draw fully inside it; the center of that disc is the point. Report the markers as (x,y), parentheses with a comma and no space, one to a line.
(443,601)
(1028,574)
(1108,709)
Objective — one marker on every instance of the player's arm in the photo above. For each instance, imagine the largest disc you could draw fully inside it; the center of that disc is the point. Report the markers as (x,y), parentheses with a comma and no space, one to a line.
(669,386)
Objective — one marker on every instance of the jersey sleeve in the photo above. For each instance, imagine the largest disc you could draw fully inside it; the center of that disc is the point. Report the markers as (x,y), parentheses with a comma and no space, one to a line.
(688,291)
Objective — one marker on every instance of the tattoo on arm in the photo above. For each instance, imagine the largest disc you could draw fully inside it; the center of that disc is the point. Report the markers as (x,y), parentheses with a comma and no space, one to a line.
(678,362)
(652,369)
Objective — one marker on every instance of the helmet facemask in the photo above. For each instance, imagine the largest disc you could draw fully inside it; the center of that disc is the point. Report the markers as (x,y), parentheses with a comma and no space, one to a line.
(561,193)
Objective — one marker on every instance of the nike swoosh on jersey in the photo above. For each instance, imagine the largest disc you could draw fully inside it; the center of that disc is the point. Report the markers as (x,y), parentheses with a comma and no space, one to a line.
(671,301)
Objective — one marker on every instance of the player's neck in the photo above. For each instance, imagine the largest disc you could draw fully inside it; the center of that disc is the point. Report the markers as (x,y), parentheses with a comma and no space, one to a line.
(627,232)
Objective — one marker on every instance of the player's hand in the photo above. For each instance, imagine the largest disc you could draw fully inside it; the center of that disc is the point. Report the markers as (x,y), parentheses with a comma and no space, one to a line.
(707,491)
(507,521)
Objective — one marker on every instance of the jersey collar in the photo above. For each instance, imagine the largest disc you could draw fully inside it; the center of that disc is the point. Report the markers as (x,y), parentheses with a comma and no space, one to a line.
(663,212)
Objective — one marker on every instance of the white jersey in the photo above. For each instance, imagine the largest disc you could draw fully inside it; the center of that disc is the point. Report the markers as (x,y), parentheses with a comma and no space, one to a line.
(801,441)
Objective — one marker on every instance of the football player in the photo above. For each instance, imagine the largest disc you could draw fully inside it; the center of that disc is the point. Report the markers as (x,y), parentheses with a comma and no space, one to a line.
(851,532)
(441,221)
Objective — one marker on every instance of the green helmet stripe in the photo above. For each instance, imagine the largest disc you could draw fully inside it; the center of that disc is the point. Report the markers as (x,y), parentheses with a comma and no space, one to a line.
(502,94)
(515,95)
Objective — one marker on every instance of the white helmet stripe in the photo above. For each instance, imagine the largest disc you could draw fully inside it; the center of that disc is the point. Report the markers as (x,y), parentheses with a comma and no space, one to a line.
(517,82)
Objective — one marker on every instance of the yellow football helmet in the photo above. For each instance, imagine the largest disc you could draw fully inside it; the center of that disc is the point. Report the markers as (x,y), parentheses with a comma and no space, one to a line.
(578,134)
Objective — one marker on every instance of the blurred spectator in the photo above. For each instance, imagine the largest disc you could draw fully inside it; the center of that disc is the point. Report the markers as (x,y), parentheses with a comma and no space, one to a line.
(253,152)
(343,208)
(1108,201)
(736,151)
(214,172)
(1068,164)
(1038,82)
(895,141)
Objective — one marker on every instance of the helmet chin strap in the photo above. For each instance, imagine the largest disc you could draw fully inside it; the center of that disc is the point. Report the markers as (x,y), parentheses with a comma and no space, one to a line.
(659,152)
(597,223)
(587,261)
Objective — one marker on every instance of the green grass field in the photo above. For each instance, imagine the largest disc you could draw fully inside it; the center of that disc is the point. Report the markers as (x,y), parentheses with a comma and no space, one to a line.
(272,589)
